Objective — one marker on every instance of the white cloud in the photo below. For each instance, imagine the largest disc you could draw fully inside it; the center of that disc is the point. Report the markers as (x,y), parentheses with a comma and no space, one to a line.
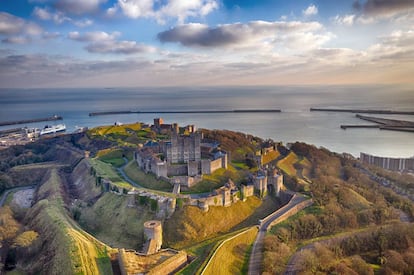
(83,23)
(311,10)
(184,9)
(118,47)
(346,20)
(291,35)
(93,36)
(162,11)
(137,8)
(59,17)
(102,42)
(42,13)
(12,25)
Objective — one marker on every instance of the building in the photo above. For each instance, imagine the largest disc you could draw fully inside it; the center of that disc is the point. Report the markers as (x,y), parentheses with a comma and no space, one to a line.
(394,164)
(180,160)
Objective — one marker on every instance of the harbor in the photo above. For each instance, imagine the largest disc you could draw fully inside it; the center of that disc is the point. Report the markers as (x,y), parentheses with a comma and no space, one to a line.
(187,112)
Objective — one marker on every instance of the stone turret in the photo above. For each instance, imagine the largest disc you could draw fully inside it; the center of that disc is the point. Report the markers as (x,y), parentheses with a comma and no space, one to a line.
(153,235)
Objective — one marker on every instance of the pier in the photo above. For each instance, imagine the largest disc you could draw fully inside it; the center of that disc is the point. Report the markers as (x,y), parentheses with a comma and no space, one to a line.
(187,112)
(15,122)
(383,124)
(363,111)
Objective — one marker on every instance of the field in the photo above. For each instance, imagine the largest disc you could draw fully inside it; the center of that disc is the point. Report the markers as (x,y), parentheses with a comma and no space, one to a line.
(146,180)
(233,255)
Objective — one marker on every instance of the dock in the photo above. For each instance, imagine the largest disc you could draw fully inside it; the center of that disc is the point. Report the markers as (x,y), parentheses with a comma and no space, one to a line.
(187,112)
(363,111)
(15,122)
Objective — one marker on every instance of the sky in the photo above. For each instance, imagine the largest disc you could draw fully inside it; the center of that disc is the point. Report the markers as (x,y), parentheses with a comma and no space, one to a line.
(132,43)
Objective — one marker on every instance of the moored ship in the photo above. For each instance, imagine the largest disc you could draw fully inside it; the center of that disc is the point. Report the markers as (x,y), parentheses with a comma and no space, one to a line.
(52,129)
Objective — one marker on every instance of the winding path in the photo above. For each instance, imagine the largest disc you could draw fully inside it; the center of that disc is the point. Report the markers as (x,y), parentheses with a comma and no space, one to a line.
(297,203)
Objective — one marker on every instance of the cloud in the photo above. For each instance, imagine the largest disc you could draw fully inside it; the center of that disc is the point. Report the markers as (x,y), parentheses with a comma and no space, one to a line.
(59,17)
(346,20)
(311,10)
(162,10)
(46,14)
(383,7)
(13,25)
(93,36)
(16,40)
(118,47)
(240,35)
(396,47)
(102,42)
(78,6)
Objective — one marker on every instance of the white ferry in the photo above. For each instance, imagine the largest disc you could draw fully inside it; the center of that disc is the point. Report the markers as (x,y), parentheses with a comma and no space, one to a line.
(51,129)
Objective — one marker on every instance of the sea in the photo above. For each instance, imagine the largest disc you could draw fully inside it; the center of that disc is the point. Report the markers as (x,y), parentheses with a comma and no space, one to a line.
(295,123)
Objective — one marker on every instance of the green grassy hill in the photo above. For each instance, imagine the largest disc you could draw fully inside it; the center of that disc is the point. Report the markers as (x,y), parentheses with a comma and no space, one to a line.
(112,221)
(65,249)
(191,225)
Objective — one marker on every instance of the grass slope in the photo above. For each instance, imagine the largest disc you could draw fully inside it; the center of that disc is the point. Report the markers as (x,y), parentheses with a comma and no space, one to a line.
(112,221)
(146,180)
(107,171)
(66,249)
(190,224)
(233,256)
(287,163)
(112,156)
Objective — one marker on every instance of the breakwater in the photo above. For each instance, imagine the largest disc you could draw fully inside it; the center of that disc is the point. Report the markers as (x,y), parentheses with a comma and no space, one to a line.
(15,122)
(187,112)
(363,111)
(383,124)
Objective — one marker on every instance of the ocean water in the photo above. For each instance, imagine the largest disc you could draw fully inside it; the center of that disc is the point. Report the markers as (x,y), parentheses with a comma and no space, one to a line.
(294,123)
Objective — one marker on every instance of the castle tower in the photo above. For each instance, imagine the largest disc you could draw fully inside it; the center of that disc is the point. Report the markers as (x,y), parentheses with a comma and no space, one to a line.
(158,122)
(153,235)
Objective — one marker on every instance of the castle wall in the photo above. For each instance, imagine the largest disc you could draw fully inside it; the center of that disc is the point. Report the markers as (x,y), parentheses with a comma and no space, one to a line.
(215,164)
(177,169)
(209,166)
(186,180)
(193,168)
(171,265)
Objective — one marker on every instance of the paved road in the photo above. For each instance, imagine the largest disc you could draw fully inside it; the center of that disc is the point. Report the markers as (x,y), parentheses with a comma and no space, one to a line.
(256,258)
(8,191)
